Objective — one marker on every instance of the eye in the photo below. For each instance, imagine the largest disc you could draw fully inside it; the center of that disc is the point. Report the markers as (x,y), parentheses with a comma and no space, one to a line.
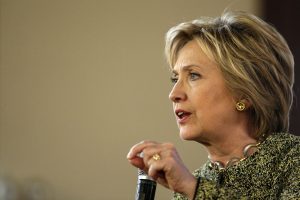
(194,76)
(174,78)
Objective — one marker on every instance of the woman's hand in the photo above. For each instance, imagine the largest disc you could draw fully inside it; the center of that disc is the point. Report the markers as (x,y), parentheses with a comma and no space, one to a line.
(167,168)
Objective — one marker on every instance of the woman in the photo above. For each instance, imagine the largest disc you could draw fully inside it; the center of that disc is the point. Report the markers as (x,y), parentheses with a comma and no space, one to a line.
(232,93)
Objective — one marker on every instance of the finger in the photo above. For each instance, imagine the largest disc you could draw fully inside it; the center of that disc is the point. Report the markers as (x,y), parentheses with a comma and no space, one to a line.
(150,152)
(138,148)
(160,152)
(137,162)
(156,169)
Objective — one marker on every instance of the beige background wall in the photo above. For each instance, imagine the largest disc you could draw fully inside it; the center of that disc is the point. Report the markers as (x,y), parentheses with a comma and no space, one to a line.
(81,81)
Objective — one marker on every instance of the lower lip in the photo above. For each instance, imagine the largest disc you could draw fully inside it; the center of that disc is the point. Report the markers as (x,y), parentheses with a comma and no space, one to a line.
(183,120)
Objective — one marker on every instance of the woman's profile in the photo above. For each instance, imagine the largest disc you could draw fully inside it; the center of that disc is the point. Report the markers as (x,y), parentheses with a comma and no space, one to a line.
(233,77)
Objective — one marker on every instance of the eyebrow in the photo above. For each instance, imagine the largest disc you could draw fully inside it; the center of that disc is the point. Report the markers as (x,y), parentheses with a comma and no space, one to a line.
(185,68)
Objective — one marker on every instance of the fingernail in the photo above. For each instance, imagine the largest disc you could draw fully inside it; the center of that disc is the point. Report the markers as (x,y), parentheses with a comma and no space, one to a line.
(129,155)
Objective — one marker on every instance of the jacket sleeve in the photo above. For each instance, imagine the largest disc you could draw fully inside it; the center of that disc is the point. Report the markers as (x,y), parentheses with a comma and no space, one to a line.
(291,180)
(207,190)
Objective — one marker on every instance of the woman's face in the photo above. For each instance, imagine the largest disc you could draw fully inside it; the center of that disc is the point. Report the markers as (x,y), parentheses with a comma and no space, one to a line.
(204,107)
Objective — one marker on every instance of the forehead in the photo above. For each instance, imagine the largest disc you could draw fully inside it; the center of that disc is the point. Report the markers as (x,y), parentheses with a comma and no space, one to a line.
(193,55)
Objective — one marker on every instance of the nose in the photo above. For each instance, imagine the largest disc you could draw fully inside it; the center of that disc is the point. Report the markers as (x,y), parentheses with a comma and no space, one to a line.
(178,93)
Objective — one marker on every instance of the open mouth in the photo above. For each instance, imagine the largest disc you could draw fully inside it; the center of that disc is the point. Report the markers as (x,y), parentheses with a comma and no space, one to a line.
(181,114)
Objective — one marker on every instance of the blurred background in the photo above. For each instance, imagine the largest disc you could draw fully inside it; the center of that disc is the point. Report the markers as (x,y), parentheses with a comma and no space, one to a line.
(81,81)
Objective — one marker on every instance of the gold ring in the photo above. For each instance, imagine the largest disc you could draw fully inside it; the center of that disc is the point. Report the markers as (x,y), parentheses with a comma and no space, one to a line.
(156,157)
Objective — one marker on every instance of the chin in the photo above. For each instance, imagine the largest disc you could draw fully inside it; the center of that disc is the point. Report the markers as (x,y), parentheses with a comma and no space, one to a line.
(188,134)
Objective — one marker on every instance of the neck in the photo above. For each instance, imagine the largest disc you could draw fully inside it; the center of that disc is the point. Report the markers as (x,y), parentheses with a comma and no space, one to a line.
(229,149)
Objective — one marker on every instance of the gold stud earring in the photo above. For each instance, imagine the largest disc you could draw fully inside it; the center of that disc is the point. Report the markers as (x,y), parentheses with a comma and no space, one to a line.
(240,106)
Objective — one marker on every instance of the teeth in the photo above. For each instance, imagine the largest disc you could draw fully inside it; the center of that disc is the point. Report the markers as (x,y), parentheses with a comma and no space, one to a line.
(180,113)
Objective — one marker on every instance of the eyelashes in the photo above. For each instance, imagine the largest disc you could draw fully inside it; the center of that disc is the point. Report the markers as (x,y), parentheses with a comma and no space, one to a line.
(174,79)
(192,76)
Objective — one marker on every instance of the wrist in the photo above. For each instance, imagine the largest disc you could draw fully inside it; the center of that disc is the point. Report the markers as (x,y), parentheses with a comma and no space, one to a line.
(191,191)
(196,188)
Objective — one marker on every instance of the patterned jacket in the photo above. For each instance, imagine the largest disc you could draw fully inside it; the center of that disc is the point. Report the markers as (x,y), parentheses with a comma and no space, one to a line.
(272,172)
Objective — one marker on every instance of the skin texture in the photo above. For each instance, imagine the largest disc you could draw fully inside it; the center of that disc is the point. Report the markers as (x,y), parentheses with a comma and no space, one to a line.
(212,120)
(200,89)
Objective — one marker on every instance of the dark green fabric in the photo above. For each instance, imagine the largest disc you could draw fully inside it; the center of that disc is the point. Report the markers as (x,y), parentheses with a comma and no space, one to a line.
(273,172)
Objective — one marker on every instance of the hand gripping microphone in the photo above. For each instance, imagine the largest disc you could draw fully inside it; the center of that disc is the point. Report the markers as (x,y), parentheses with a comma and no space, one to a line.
(146,187)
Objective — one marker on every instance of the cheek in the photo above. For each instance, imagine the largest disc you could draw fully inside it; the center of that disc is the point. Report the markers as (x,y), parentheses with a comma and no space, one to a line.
(213,101)
(202,97)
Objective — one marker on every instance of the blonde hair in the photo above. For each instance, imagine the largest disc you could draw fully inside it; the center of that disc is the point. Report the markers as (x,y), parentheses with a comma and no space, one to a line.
(254,59)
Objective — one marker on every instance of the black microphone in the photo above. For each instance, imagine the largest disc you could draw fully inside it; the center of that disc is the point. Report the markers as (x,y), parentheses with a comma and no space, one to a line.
(146,187)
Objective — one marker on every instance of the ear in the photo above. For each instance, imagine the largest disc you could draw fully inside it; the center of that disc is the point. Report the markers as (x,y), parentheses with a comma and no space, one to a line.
(248,104)
(238,97)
